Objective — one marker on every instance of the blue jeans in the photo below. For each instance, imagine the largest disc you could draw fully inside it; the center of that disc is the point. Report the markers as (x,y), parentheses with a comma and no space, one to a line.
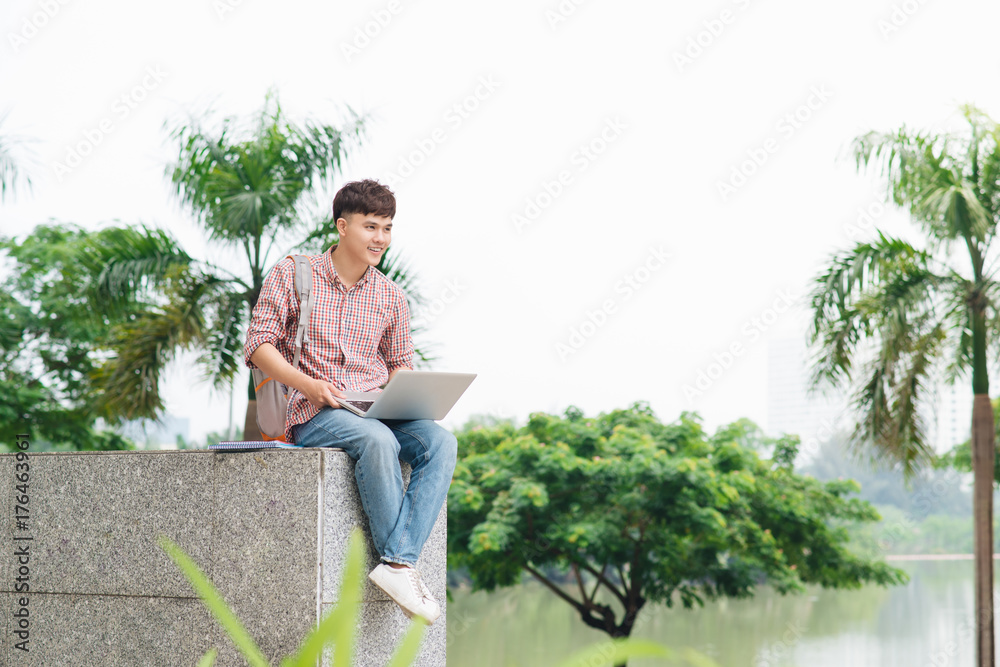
(400,523)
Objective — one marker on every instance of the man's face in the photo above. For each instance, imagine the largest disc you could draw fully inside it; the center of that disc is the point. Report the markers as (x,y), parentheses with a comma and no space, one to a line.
(365,237)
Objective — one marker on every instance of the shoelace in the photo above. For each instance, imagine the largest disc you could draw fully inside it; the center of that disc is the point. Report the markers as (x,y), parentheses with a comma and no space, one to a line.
(418,584)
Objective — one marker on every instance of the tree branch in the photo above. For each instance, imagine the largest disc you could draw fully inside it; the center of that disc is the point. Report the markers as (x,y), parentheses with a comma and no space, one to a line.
(604,580)
(597,585)
(634,599)
(621,575)
(555,589)
(579,581)
(607,624)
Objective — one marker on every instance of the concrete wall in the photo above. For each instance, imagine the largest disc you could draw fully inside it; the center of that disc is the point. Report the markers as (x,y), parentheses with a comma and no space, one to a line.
(269,527)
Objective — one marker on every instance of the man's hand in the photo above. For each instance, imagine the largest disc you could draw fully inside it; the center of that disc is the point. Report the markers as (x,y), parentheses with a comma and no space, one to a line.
(322,393)
(319,393)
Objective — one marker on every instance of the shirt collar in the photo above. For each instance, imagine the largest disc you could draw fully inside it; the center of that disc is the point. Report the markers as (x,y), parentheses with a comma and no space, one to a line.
(331,271)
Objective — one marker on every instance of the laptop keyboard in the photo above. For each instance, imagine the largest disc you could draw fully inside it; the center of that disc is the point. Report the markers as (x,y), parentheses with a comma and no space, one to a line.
(361,405)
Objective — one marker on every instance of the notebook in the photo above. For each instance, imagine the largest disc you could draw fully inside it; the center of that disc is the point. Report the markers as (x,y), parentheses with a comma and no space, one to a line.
(241,445)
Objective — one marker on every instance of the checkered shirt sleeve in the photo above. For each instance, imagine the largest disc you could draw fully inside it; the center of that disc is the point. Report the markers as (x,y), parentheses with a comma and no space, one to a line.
(274,317)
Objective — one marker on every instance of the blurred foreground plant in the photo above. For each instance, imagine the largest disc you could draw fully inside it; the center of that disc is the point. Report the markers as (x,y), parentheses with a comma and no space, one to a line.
(336,629)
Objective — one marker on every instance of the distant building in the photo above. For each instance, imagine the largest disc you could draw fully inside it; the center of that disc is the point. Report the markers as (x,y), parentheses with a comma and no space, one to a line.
(952,421)
(791,408)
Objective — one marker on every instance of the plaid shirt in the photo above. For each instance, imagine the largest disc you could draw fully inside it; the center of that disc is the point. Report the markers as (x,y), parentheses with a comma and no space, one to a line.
(357,336)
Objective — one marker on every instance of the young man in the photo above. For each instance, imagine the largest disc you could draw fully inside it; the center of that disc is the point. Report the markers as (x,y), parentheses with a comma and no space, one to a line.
(358,337)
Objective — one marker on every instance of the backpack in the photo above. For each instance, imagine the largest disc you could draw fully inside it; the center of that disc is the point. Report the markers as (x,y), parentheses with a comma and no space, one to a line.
(272,396)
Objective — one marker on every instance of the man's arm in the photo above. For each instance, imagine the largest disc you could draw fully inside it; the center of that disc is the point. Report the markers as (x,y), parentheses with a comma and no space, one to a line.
(396,346)
(399,368)
(276,305)
(319,392)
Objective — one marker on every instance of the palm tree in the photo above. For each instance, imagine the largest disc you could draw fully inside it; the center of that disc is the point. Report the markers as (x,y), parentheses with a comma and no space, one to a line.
(250,190)
(12,172)
(898,313)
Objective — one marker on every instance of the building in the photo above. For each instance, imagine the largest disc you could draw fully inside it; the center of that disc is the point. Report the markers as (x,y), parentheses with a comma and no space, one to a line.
(815,415)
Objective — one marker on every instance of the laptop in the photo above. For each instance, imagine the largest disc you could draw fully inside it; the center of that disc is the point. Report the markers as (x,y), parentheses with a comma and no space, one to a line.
(410,395)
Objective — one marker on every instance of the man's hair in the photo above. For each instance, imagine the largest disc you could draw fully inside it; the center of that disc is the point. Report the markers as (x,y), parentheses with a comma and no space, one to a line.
(367,197)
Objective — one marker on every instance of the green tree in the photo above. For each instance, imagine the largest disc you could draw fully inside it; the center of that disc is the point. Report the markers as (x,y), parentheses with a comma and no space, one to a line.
(52,341)
(638,511)
(897,313)
(250,188)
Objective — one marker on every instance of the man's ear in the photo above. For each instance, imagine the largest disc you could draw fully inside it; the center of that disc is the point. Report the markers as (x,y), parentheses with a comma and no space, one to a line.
(341,228)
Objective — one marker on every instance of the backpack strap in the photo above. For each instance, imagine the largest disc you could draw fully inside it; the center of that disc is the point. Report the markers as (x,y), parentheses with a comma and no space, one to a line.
(304,292)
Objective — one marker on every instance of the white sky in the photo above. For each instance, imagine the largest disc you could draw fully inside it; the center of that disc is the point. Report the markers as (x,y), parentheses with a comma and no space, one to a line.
(673,133)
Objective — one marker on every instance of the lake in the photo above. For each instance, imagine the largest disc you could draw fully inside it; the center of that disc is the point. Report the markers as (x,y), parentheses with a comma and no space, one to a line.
(928,622)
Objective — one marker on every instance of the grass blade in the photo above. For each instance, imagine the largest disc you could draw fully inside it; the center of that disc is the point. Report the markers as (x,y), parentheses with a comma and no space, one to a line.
(208,659)
(338,626)
(614,652)
(213,600)
(406,653)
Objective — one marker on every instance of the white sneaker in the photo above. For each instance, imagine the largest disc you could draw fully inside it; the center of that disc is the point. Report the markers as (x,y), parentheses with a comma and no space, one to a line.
(407,590)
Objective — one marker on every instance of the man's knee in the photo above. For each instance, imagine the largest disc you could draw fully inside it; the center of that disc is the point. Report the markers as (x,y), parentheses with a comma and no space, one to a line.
(446,447)
(381,443)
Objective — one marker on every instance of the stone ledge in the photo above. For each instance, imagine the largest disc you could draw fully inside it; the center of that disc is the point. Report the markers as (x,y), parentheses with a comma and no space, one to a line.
(269,527)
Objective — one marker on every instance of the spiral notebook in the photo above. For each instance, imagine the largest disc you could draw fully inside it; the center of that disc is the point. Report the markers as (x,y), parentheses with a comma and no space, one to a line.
(243,445)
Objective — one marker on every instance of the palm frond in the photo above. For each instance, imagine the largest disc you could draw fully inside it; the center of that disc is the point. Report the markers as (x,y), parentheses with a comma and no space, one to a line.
(129,383)
(880,307)
(924,175)
(222,353)
(983,156)
(245,184)
(953,210)
(13,175)
(956,291)
(892,428)
(132,263)
(840,322)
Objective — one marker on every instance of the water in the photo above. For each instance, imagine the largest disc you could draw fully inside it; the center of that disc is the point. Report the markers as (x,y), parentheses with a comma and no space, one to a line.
(927,623)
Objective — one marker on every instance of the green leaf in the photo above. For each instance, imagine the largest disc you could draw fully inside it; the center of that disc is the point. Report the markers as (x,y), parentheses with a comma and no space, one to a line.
(213,600)
(406,653)
(208,659)
(615,652)
(337,627)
